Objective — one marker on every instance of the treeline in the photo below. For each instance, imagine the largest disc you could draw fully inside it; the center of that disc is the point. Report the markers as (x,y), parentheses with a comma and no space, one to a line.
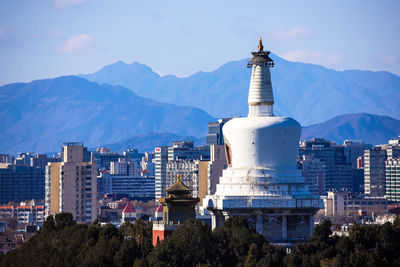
(62,242)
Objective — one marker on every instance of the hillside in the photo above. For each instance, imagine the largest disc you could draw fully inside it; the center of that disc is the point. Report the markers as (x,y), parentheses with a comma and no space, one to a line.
(40,115)
(372,129)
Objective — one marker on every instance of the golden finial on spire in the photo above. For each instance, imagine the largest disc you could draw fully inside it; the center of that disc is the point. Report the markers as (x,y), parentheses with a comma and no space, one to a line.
(179,177)
(260,45)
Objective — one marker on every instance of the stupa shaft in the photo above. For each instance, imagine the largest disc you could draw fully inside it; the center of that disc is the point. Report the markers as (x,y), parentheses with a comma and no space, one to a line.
(261,98)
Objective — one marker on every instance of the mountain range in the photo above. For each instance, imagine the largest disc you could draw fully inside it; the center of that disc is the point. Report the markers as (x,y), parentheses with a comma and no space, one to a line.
(372,129)
(40,115)
(307,92)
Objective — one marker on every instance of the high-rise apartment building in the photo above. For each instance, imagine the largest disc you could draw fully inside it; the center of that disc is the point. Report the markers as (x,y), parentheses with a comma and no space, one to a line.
(186,150)
(125,166)
(24,159)
(314,173)
(133,186)
(178,151)
(103,156)
(188,170)
(375,161)
(71,184)
(148,164)
(19,183)
(339,173)
(160,159)
(392,169)
(352,150)
(215,135)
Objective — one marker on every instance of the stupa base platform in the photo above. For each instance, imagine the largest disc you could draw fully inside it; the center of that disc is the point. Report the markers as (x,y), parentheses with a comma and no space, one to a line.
(282,226)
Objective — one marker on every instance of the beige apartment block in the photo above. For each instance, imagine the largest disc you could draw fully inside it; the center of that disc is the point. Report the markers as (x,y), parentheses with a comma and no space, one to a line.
(71,184)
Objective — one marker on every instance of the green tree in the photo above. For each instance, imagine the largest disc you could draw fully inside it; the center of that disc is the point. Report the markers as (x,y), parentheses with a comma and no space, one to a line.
(272,256)
(190,245)
(252,256)
(321,232)
(233,241)
(64,219)
(49,225)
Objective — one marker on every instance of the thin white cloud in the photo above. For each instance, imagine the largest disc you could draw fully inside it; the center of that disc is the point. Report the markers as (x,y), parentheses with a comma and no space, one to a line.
(77,43)
(66,3)
(297,32)
(335,59)
(387,59)
(8,39)
(313,57)
(302,55)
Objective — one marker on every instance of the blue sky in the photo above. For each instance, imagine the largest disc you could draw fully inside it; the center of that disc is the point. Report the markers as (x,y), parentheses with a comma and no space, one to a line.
(49,38)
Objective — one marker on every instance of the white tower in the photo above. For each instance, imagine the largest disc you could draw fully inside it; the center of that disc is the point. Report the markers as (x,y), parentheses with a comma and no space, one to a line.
(262,181)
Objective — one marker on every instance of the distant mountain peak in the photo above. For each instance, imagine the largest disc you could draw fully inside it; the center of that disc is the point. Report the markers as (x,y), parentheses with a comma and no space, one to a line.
(371,128)
(310,93)
(40,115)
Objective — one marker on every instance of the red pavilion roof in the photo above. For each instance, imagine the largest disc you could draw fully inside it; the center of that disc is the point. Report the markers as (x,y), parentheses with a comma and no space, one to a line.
(129,208)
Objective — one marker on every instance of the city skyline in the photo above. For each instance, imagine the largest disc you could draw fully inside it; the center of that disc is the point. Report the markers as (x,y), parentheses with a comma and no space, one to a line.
(78,36)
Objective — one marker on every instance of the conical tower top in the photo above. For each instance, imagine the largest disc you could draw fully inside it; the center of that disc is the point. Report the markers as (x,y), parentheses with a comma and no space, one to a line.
(261,56)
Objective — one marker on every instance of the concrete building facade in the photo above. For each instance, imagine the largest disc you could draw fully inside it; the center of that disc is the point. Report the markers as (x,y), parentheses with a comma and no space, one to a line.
(215,135)
(374,171)
(134,186)
(375,166)
(160,159)
(178,151)
(125,166)
(392,173)
(345,203)
(71,184)
(20,183)
(338,171)
(188,171)
(314,173)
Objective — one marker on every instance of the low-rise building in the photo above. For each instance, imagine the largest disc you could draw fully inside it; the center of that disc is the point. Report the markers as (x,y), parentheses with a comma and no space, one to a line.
(24,213)
(345,203)
(129,213)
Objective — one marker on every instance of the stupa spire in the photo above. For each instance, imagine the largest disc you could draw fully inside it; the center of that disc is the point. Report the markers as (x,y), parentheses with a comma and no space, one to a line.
(261,98)
(260,45)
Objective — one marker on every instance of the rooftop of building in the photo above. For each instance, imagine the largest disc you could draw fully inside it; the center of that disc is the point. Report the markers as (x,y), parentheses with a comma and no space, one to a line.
(178,188)
(159,208)
(129,208)
(72,144)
